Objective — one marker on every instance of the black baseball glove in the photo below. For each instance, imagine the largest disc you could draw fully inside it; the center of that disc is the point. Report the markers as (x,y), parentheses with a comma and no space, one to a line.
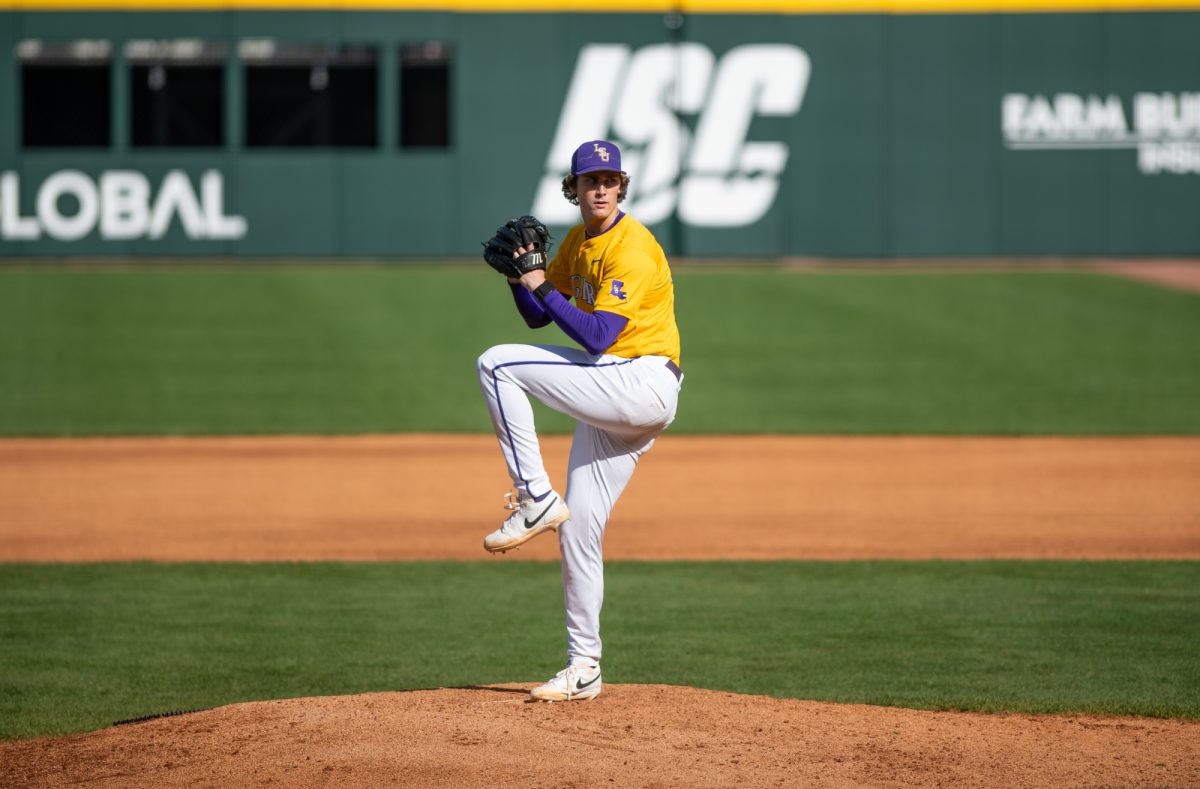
(524,231)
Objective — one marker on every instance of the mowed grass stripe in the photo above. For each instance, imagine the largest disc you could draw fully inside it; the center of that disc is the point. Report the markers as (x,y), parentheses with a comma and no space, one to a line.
(84,645)
(370,349)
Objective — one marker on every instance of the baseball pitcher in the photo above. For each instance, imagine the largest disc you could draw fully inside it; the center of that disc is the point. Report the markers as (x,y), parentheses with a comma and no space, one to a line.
(609,289)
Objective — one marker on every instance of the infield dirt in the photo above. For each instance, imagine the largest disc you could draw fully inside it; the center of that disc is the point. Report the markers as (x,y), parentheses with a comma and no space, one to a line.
(426,497)
(435,497)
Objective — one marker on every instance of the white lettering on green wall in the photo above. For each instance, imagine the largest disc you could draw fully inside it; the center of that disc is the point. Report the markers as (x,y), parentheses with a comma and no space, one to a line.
(1164,128)
(714,178)
(119,205)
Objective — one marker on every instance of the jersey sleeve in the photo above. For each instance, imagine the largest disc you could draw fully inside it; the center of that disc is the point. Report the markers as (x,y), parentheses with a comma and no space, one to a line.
(624,283)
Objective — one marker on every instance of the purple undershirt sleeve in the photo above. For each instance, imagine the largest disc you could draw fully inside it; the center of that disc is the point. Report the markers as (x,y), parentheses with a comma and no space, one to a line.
(530,308)
(595,331)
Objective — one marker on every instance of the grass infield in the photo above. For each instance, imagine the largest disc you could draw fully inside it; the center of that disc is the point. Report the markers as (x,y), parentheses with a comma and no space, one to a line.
(82,646)
(375,349)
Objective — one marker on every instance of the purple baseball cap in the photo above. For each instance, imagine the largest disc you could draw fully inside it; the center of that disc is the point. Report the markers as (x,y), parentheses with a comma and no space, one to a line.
(596,155)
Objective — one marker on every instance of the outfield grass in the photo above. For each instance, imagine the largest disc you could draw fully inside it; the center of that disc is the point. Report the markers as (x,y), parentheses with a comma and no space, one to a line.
(84,645)
(361,349)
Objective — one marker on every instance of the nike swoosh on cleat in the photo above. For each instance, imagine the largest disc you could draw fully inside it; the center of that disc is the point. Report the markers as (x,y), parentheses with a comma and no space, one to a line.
(580,684)
(529,524)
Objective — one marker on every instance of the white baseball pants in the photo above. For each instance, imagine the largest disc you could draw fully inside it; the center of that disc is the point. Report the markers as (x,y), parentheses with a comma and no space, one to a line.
(621,405)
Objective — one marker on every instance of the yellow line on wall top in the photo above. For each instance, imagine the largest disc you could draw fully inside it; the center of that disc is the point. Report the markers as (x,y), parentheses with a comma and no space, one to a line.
(798,7)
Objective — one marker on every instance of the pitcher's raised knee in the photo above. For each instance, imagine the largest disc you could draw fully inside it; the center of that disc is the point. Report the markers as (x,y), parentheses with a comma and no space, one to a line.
(492,358)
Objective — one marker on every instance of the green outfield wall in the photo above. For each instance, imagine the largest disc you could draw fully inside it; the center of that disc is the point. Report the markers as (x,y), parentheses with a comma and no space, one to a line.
(865,134)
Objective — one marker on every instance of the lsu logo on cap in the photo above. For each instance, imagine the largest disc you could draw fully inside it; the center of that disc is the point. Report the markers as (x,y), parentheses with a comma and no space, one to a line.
(595,155)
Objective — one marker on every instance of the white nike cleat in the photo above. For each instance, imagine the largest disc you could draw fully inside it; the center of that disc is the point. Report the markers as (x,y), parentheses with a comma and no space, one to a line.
(578,682)
(529,519)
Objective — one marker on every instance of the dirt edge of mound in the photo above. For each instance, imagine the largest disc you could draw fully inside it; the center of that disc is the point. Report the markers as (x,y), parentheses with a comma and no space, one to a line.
(632,735)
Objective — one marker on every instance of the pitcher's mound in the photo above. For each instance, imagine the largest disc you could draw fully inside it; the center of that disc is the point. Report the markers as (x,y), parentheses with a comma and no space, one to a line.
(632,735)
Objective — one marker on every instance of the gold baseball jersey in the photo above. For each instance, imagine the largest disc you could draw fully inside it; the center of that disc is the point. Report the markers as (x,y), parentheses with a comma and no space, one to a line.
(623,271)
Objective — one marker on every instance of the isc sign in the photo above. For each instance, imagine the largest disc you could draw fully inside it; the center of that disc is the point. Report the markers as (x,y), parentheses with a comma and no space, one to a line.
(120,204)
(713,177)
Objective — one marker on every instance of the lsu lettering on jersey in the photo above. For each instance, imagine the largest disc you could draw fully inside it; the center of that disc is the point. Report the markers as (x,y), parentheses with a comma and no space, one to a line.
(623,271)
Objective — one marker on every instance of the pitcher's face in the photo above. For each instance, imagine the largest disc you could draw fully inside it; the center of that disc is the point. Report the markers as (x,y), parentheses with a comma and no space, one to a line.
(597,192)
